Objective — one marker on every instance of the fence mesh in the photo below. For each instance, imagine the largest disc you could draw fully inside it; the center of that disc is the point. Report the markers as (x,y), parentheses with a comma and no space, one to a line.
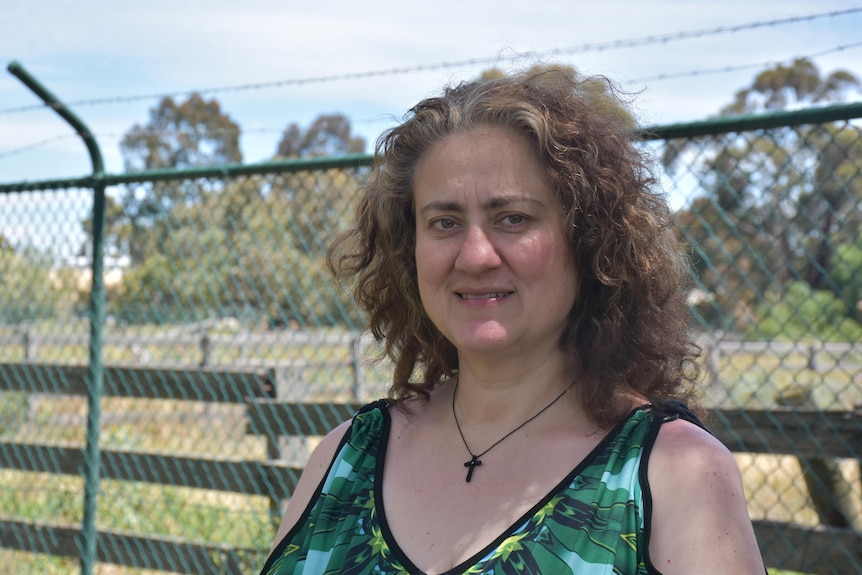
(228,351)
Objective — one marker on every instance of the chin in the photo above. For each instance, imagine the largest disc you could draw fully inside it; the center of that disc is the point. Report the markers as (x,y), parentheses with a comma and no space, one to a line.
(489,345)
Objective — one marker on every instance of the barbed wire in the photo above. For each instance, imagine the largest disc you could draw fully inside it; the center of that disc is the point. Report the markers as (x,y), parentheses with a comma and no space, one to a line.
(738,67)
(654,78)
(582,48)
(38,144)
(114,135)
(643,79)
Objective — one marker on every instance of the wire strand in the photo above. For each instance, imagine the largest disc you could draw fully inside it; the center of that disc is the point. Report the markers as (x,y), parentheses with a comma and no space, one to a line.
(582,48)
(735,68)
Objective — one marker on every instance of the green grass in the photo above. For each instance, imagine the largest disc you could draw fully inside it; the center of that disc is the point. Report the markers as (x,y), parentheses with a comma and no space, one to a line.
(189,514)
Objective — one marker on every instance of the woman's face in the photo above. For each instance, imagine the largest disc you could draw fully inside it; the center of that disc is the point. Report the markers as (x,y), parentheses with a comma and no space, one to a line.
(495,271)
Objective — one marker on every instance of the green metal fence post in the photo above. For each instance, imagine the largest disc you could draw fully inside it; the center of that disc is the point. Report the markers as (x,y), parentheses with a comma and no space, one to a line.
(89,534)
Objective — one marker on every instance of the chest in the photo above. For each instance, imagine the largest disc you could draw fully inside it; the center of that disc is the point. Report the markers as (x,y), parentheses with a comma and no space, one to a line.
(439,520)
(381,513)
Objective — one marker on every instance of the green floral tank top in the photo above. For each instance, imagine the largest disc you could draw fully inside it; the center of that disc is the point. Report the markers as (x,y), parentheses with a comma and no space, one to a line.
(593,523)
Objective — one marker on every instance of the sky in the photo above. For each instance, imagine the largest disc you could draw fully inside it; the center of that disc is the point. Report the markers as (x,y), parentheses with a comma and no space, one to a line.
(272,63)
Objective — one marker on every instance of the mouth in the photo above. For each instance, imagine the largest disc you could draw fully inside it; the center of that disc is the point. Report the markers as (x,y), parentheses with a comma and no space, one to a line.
(486,296)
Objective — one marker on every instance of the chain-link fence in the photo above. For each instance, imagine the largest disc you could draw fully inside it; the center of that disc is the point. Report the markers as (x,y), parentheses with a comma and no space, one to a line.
(227,351)
(770,208)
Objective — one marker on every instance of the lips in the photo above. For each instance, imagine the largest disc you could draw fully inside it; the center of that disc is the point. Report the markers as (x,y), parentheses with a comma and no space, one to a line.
(488,295)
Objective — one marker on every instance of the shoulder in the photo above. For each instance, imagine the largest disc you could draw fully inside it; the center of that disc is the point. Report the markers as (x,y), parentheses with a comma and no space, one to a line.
(679,437)
(313,474)
(699,519)
(324,453)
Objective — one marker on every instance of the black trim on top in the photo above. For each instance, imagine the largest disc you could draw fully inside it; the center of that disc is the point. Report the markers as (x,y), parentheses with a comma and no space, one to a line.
(646,493)
(667,411)
(300,522)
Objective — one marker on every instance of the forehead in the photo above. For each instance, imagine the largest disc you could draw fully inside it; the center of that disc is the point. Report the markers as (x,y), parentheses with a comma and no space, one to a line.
(484,161)
(478,140)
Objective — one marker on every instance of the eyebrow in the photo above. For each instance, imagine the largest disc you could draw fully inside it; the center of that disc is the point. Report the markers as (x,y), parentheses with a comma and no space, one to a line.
(491,204)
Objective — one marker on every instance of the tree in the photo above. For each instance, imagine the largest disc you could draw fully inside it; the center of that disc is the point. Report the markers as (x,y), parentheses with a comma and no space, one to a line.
(832,209)
(34,287)
(328,135)
(783,87)
(775,204)
(250,247)
(193,133)
(317,202)
(802,313)
(233,255)
(846,276)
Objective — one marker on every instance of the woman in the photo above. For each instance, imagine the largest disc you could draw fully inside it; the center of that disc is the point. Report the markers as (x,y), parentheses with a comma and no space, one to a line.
(527,285)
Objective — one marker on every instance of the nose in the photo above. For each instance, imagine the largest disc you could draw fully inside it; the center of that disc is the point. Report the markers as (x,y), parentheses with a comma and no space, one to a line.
(477,252)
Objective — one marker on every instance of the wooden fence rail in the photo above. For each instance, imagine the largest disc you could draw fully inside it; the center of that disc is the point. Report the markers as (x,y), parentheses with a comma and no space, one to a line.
(800,432)
(32,344)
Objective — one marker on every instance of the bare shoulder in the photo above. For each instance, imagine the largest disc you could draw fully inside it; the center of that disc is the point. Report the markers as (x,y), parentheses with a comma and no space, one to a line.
(700,521)
(315,470)
(680,438)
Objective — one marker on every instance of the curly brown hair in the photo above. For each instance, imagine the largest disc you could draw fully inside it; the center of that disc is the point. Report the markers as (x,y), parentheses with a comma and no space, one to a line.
(628,330)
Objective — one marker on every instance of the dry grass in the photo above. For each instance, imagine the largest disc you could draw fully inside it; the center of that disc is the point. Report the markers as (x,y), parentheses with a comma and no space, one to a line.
(774,484)
(775,489)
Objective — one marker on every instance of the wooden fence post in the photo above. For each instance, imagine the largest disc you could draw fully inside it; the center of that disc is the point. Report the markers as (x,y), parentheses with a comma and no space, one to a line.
(711,353)
(831,494)
(30,343)
(356,361)
(273,447)
(206,349)
(287,384)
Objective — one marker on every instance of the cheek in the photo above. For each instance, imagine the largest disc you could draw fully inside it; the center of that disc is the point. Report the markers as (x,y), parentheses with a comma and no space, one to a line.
(423,262)
(553,261)
(546,251)
(428,270)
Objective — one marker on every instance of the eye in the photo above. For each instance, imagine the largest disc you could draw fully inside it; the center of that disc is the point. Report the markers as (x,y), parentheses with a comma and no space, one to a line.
(442,224)
(514,219)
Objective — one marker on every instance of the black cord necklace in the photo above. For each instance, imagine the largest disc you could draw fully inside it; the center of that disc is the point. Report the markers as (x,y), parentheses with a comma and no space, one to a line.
(474,458)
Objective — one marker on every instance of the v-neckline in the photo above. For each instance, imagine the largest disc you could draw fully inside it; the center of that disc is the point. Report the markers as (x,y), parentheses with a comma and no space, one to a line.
(471,561)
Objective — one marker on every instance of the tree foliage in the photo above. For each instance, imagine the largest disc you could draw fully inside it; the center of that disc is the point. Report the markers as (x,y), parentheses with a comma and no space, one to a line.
(193,133)
(34,287)
(250,247)
(845,276)
(782,87)
(777,206)
(328,135)
(233,255)
(804,314)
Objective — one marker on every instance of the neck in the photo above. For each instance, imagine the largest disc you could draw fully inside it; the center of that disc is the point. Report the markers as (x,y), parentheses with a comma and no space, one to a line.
(494,405)
(512,365)
(501,396)
(475,456)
